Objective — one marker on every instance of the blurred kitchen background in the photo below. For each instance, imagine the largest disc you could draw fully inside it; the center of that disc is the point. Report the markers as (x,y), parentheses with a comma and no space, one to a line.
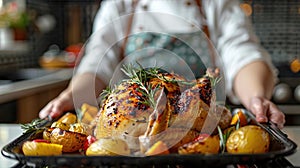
(38,37)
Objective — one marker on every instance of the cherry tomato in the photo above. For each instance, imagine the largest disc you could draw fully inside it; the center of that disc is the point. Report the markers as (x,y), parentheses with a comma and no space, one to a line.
(41,140)
(201,137)
(89,140)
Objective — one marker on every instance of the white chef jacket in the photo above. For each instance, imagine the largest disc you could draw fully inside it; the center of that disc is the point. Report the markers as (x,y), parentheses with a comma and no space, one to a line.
(230,31)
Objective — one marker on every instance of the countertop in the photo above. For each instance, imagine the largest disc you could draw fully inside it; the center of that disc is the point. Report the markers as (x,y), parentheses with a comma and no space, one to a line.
(22,88)
(9,132)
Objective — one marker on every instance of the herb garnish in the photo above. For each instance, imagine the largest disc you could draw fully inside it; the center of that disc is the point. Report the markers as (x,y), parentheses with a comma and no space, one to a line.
(34,125)
(105,93)
(224,136)
(213,75)
(141,77)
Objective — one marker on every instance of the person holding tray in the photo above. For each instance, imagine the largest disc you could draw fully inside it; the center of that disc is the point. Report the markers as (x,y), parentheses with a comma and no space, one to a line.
(250,74)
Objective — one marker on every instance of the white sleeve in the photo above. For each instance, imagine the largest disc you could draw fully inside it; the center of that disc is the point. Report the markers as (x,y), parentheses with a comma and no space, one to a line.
(236,42)
(102,48)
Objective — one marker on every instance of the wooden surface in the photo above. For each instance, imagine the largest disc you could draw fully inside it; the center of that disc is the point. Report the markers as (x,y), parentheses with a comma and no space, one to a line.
(29,106)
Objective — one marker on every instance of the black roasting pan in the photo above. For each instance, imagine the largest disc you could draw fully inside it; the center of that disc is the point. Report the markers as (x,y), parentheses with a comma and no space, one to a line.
(280,147)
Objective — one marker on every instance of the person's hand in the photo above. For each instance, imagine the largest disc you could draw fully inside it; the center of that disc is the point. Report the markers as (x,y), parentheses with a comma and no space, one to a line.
(57,106)
(266,110)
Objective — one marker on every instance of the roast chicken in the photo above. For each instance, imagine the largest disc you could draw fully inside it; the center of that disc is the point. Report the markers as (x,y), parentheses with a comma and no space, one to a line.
(155,105)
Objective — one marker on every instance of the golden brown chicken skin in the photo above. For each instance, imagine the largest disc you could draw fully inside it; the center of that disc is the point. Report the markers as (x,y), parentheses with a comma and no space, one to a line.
(179,111)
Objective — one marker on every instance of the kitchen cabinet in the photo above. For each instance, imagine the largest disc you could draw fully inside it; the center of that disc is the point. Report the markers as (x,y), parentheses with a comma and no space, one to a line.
(31,95)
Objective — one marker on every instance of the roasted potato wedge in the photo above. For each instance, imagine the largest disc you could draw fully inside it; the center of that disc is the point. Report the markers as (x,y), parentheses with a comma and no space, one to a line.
(108,146)
(159,148)
(68,118)
(47,133)
(31,148)
(205,145)
(71,141)
(81,128)
(61,125)
(89,113)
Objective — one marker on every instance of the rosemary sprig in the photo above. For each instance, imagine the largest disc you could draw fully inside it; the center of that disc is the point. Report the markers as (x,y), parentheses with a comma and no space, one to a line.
(145,74)
(214,75)
(222,142)
(141,77)
(141,74)
(215,80)
(223,137)
(34,125)
(105,93)
(151,94)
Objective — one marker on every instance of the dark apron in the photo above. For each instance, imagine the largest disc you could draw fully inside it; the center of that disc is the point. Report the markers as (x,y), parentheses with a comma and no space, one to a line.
(175,52)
